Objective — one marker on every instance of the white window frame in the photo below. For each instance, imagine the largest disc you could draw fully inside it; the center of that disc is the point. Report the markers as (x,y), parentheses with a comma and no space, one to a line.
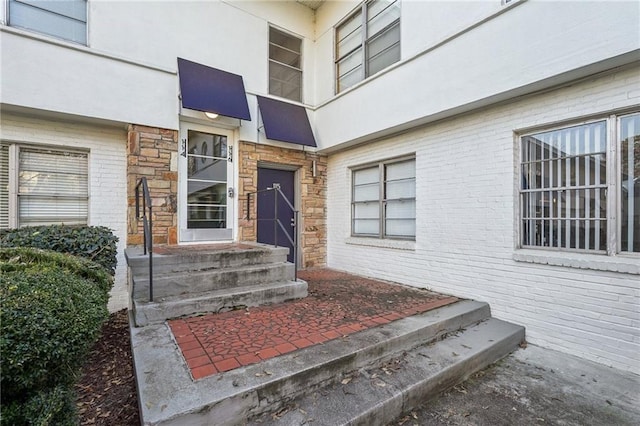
(14,171)
(381,201)
(612,185)
(271,60)
(35,29)
(364,43)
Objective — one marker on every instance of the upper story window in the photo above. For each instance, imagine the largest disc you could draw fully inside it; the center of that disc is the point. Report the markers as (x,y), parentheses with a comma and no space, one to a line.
(42,186)
(285,65)
(580,190)
(367,41)
(384,200)
(64,19)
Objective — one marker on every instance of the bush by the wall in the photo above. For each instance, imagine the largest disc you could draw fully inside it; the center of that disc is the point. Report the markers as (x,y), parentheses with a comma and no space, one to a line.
(52,313)
(49,407)
(96,243)
(12,259)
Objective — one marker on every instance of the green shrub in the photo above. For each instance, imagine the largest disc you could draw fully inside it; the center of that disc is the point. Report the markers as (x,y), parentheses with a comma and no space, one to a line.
(54,406)
(52,313)
(12,259)
(96,243)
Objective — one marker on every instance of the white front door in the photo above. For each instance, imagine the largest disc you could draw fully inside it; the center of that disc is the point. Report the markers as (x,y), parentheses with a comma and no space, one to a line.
(205,196)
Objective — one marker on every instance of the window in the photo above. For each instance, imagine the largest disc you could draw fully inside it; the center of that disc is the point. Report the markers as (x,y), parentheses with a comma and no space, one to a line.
(575,194)
(4,186)
(285,65)
(367,41)
(47,187)
(630,183)
(64,19)
(384,200)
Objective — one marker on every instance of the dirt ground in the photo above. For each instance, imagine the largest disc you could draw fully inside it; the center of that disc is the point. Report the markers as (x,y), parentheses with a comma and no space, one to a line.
(107,390)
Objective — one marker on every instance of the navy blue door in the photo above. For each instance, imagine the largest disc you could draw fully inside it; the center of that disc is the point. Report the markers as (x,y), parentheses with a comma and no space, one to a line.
(267,233)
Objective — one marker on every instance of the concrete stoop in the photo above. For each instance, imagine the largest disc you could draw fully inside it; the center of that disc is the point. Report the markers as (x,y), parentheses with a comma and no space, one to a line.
(367,378)
(193,280)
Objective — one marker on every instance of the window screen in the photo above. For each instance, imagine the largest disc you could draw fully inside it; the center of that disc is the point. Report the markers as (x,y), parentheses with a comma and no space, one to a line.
(64,19)
(384,200)
(285,65)
(367,42)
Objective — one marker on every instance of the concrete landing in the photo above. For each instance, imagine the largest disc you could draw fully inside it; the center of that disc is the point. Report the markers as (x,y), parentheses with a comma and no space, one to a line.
(231,368)
(169,395)
(378,395)
(536,386)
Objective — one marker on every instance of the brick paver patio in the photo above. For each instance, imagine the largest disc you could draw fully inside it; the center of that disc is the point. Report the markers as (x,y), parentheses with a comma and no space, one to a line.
(339,304)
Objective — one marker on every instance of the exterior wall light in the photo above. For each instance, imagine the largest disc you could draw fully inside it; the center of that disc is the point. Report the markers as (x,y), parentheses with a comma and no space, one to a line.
(211,115)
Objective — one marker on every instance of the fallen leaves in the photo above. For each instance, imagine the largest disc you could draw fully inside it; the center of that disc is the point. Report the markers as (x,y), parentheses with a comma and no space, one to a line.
(106,390)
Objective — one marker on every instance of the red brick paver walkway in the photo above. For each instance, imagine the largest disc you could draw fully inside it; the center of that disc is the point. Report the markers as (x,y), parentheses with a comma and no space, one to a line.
(338,304)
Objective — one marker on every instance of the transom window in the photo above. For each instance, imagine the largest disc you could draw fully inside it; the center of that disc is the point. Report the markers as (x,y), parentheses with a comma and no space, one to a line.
(579,189)
(384,200)
(285,65)
(367,41)
(64,19)
(41,186)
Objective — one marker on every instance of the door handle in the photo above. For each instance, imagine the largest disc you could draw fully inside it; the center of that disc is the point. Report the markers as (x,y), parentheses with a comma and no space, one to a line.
(184,148)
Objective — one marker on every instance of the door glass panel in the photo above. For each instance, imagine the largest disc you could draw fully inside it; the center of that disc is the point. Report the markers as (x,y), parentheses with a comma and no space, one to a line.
(206,180)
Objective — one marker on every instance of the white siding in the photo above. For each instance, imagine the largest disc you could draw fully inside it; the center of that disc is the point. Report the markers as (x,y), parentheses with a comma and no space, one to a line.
(107,175)
(465,226)
(532,45)
(54,76)
(128,71)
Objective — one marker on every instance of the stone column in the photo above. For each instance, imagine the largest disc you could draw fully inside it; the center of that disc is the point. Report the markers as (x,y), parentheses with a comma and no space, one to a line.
(153,153)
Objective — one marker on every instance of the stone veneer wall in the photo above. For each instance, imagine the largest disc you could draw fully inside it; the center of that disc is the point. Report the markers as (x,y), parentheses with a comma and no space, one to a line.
(313,237)
(152,152)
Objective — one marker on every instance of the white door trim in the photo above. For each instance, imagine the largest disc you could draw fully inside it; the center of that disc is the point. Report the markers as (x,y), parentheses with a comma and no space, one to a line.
(188,234)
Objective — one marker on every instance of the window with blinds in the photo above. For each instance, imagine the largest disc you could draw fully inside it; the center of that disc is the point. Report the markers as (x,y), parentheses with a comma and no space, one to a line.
(4,186)
(367,41)
(572,177)
(52,187)
(285,65)
(383,200)
(66,20)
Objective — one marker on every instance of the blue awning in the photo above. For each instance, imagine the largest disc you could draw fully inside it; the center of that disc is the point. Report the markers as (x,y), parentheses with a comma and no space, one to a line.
(212,90)
(285,122)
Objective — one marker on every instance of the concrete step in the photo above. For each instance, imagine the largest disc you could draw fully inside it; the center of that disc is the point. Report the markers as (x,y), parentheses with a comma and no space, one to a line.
(379,395)
(147,313)
(169,396)
(189,282)
(195,258)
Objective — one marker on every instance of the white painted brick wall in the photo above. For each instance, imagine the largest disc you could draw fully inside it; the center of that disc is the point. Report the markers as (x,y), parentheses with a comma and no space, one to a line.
(107,175)
(466,233)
